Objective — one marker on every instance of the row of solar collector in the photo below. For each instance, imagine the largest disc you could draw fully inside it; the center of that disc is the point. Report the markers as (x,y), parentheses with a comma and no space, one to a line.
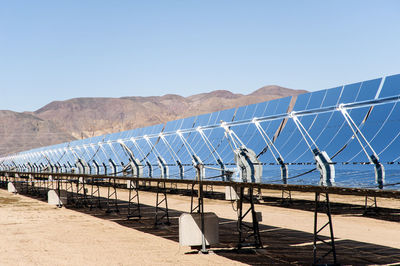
(348,136)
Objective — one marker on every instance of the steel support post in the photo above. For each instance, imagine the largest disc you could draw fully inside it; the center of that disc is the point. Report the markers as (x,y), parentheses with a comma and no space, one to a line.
(201,211)
(371,205)
(38,185)
(199,208)
(49,183)
(324,206)
(43,184)
(112,193)
(59,188)
(69,187)
(133,200)
(286,197)
(94,195)
(25,185)
(75,196)
(81,195)
(31,185)
(193,194)
(248,231)
(14,181)
(199,194)
(21,184)
(29,189)
(161,214)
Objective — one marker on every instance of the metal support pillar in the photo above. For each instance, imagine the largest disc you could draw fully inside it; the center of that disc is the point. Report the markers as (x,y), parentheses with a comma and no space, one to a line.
(36,181)
(248,231)
(81,193)
(286,197)
(31,185)
(199,208)
(133,201)
(39,184)
(49,182)
(323,205)
(59,188)
(94,194)
(371,205)
(26,183)
(69,187)
(112,191)
(74,193)
(193,194)
(199,194)
(94,199)
(161,214)
(259,196)
(16,184)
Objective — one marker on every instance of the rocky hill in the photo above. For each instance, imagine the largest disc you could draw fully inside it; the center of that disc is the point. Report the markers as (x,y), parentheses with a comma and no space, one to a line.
(22,131)
(77,118)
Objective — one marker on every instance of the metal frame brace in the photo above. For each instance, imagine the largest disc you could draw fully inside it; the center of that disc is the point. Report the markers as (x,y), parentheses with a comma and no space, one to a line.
(323,205)
(112,184)
(161,214)
(133,200)
(248,231)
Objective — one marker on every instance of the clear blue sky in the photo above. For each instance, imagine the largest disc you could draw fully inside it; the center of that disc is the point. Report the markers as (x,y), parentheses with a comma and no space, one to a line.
(56,50)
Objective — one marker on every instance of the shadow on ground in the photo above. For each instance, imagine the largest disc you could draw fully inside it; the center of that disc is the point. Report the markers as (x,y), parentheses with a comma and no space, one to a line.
(378,213)
(281,246)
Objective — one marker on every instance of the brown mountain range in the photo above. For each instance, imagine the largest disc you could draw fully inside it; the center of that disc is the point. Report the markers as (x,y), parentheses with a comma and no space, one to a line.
(77,118)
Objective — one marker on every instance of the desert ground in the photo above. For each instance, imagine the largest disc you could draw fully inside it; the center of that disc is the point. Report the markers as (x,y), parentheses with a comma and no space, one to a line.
(36,233)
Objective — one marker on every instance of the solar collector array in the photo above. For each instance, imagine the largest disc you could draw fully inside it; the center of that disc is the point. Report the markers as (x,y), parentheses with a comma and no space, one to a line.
(272,129)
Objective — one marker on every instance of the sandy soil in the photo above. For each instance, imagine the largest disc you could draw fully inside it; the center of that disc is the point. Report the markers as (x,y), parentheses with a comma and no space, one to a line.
(35,233)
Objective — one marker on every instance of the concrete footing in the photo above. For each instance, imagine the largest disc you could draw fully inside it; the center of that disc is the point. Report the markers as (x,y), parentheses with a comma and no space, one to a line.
(12,188)
(190,229)
(230,193)
(55,199)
